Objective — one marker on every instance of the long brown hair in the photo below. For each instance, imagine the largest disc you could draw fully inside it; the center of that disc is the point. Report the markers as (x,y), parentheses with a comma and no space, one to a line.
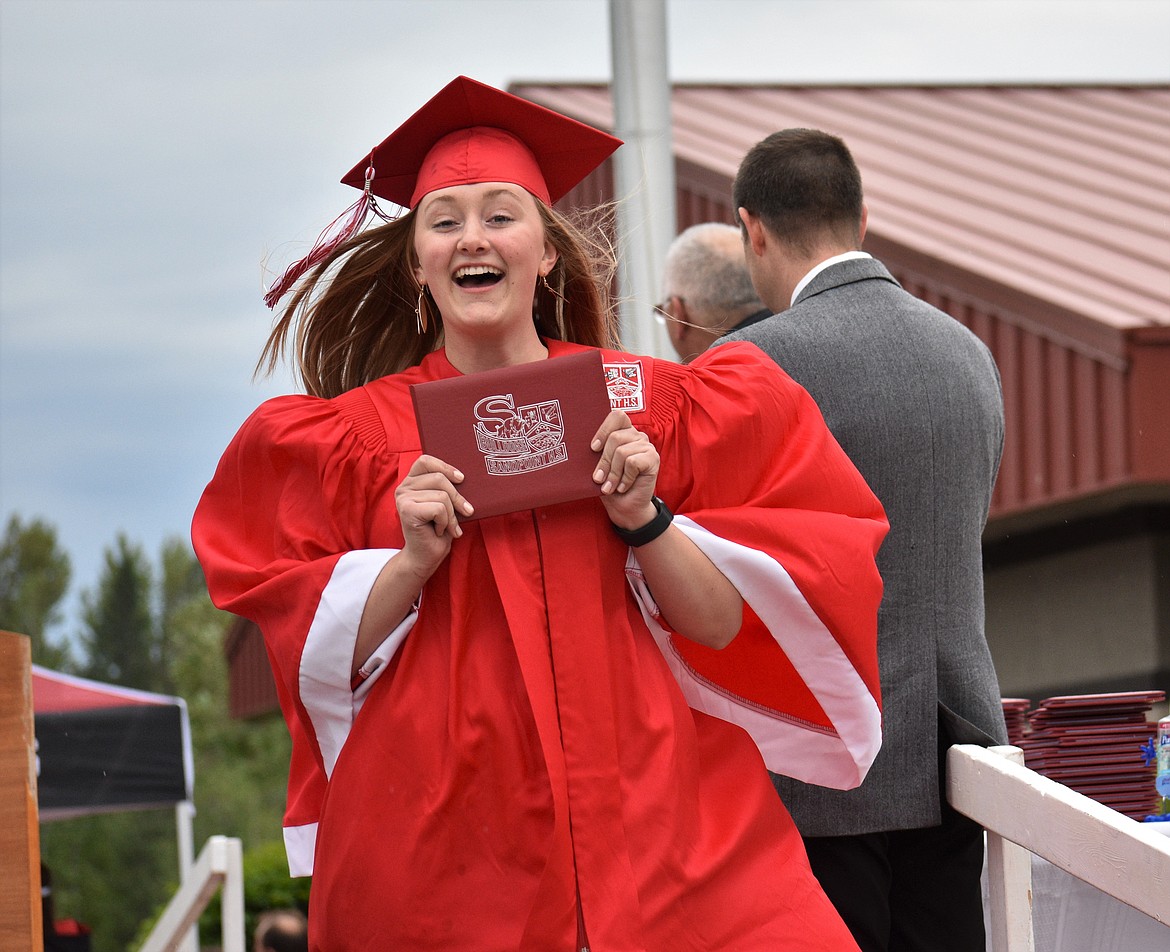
(352,319)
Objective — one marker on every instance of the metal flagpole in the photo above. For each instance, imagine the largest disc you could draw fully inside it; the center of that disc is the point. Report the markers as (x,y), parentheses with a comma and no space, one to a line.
(643,167)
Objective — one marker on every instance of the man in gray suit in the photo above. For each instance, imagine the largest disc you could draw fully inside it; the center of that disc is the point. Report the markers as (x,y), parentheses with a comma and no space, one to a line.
(914,399)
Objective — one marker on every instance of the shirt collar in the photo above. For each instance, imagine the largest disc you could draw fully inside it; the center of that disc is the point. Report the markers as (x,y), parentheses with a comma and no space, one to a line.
(847,256)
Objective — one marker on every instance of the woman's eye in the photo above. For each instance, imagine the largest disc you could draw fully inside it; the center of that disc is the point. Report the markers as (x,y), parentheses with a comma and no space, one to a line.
(443,223)
(500,219)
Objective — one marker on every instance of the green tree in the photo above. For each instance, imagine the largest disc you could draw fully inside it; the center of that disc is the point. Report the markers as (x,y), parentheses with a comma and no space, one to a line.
(240,766)
(182,594)
(111,870)
(34,577)
(121,639)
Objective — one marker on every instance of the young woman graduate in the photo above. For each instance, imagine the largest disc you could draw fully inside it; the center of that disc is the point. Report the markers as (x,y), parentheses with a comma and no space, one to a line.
(530,731)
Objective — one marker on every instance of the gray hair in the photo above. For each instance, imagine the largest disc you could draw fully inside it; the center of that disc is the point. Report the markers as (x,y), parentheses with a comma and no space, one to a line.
(705,266)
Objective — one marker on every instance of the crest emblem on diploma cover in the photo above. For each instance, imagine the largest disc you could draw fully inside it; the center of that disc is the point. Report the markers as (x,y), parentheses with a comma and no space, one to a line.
(516,440)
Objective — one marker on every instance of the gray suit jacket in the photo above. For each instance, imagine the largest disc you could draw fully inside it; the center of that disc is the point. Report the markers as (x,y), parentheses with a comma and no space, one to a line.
(914,399)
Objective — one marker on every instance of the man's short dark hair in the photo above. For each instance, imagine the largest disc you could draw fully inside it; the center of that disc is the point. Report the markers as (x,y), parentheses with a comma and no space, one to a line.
(802,183)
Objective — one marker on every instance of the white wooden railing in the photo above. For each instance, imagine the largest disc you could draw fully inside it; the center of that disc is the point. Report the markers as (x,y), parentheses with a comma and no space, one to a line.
(1022,811)
(1025,812)
(219,868)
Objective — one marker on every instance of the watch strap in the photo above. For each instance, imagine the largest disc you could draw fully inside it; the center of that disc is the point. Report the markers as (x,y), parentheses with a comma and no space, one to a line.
(652,530)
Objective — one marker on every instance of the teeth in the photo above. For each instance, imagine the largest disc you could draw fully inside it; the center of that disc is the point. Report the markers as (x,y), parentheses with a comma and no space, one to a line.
(476,270)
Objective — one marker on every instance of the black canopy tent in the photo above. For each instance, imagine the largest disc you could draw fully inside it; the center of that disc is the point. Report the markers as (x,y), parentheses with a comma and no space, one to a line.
(102,748)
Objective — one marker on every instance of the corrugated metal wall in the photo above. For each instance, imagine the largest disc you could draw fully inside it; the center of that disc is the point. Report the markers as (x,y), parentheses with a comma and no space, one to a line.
(1065,433)
(251,687)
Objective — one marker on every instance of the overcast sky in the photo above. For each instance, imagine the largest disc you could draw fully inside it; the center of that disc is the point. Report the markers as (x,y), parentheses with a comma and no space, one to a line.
(155,153)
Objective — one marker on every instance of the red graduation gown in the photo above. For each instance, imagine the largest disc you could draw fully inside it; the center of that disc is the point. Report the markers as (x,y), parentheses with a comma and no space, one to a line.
(531,742)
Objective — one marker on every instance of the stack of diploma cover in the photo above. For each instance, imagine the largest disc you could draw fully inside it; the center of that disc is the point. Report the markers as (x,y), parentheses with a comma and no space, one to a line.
(1093,744)
(520,434)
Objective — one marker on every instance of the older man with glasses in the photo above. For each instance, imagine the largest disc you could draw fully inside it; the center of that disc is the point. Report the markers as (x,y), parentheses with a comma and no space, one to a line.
(707,291)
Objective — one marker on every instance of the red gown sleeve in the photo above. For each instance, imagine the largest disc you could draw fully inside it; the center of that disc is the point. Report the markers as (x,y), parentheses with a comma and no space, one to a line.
(283,534)
(758,482)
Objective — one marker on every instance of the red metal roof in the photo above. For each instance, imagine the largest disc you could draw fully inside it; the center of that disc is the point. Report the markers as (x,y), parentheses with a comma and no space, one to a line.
(1059,191)
(1037,215)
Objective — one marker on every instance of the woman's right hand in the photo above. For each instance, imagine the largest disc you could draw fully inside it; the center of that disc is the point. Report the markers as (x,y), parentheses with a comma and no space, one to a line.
(429,506)
(427,503)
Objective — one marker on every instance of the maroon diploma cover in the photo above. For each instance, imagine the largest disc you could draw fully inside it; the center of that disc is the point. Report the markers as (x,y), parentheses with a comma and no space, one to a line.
(521,434)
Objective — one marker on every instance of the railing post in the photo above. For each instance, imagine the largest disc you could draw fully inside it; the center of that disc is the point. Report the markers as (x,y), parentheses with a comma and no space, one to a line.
(184,826)
(220,867)
(1009,884)
(1108,850)
(231,898)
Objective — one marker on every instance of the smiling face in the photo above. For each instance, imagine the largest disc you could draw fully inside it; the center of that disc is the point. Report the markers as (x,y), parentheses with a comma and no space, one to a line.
(481,249)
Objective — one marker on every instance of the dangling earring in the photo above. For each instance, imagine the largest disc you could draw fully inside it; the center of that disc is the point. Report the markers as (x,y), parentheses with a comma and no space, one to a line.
(421,321)
(560,305)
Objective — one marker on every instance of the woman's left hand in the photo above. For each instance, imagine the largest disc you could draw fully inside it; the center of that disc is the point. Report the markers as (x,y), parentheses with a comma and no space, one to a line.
(695,598)
(627,471)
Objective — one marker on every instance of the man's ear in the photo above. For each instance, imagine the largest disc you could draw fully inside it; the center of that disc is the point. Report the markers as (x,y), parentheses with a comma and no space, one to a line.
(677,309)
(864,220)
(756,236)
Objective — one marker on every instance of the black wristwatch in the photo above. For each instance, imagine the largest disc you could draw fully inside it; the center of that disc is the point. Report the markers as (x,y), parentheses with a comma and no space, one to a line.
(652,530)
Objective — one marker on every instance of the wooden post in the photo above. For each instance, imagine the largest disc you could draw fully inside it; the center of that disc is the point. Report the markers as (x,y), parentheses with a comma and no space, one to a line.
(20,844)
(1009,881)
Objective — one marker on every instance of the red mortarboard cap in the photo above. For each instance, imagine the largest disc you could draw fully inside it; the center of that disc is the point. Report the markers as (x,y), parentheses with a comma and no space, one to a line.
(470,133)
(467,133)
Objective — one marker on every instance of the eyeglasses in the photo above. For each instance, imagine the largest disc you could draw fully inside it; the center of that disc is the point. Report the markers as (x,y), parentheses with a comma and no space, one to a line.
(661,314)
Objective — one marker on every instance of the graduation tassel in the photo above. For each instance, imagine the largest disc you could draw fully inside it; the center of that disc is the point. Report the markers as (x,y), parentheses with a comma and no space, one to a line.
(354,217)
(351,221)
